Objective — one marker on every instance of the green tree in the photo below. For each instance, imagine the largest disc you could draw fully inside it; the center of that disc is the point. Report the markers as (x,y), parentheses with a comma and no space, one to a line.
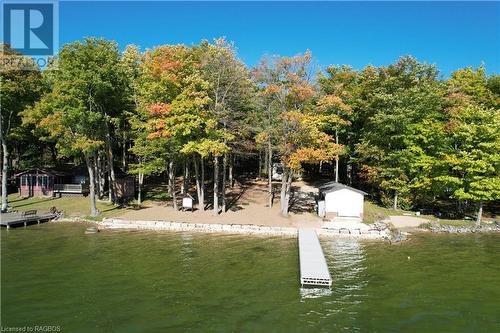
(297,129)
(80,110)
(470,162)
(20,87)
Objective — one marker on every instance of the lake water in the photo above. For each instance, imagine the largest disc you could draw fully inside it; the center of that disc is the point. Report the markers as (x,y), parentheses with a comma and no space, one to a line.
(129,281)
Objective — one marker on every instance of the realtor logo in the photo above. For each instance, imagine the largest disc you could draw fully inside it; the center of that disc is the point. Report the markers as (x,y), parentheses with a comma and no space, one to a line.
(30,27)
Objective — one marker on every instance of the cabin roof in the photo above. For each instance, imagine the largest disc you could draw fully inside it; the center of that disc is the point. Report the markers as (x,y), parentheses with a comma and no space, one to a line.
(334,186)
(41,171)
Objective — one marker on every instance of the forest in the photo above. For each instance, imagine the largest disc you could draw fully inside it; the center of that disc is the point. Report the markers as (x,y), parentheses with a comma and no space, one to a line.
(406,134)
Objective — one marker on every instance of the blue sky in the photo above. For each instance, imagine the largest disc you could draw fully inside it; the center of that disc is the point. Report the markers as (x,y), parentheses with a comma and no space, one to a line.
(450,34)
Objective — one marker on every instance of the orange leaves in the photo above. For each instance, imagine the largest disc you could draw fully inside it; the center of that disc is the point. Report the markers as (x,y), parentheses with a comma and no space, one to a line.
(159,134)
(158,125)
(158,128)
(368,173)
(302,93)
(333,102)
(313,155)
(168,61)
(272,89)
(159,109)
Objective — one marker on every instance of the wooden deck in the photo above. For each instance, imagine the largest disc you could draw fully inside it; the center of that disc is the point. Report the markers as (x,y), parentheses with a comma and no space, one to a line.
(313,267)
(18,219)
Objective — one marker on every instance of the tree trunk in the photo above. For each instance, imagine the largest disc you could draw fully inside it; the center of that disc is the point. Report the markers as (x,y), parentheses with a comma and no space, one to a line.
(337,169)
(395,203)
(90,168)
(286,182)
(266,156)
(124,152)
(260,164)
(199,182)
(139,192)
(270,173)
(202,191)
(111,168)
(171,182)
(96,175)
(231,168)
(197,179)
(479,213)
(349,173)
(224,176)
(169,179)
(102,175)
(336,158)
(216,185)
(288,190)
(5,169)
(185,179)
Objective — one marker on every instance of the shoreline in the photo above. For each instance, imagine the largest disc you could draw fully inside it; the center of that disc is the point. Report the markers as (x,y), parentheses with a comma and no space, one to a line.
(252,229)
(115,223)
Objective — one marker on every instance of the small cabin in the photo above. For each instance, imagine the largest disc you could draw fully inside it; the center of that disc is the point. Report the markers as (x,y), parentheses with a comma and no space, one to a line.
(125,188)
(50,183)
(339,200)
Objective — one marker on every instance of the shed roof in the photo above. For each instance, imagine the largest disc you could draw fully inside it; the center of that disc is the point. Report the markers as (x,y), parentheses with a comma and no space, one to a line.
(41,171)
(334,186)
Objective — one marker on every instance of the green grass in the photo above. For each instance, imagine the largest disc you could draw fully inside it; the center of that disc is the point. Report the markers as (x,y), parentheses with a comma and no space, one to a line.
(455,223)
(373,212)
(72,206)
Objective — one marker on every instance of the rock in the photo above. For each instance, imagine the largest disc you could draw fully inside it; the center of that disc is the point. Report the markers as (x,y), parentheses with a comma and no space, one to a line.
(398,237)
(437,228)
(91,230)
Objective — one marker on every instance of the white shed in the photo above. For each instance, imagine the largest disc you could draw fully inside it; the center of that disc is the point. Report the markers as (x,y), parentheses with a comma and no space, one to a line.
(340,201)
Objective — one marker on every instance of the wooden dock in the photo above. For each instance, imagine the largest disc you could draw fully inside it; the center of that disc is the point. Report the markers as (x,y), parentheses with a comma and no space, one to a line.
(18,219)
(313,267)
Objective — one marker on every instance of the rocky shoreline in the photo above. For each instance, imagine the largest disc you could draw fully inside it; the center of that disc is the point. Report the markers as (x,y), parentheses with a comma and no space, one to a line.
(449,229)
(237,229)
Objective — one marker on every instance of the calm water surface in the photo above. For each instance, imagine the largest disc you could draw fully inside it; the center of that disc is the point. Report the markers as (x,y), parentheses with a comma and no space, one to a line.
(125,281)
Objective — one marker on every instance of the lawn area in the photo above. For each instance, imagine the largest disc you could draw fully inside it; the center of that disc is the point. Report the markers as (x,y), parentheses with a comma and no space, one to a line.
(72,206)
(374,212)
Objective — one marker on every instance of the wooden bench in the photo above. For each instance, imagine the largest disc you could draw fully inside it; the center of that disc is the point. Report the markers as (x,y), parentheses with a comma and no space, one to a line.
(29,212)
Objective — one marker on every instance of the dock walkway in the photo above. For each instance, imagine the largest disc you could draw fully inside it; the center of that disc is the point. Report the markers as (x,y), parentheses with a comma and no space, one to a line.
(313,267)
(17,219)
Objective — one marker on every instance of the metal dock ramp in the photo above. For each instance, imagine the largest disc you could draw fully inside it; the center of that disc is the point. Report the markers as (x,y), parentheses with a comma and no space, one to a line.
(313,267)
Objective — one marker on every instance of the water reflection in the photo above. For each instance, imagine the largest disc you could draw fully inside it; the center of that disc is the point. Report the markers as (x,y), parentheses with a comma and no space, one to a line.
(346,261)
(308,293)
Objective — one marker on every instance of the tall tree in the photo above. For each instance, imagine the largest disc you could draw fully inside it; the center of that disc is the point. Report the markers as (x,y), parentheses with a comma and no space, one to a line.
(20,87)
(230,93)
(79,111)
(297,128)
(403,96)
(470,161)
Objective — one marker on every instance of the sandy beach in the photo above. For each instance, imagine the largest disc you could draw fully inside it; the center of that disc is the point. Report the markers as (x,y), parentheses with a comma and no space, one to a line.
(249,207)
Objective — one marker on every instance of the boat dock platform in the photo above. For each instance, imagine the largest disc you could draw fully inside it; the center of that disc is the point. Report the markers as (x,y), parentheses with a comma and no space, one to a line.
(22,219)
(313,267)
